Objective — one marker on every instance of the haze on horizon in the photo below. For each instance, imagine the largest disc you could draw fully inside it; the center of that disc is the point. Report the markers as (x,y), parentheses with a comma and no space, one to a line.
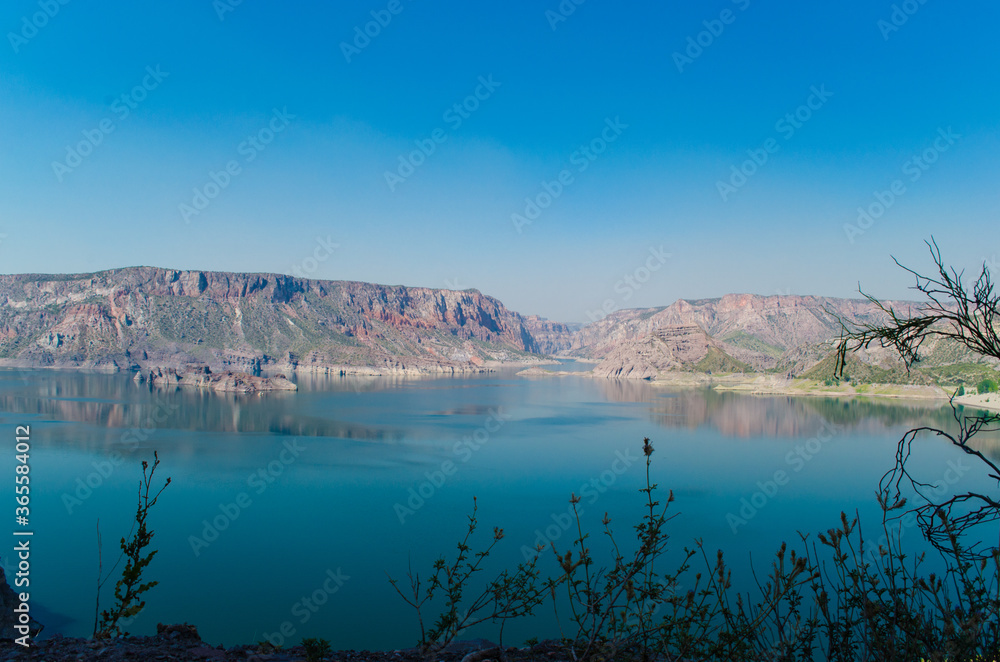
(417,154)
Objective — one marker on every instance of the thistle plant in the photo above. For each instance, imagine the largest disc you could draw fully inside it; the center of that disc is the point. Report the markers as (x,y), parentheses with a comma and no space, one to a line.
(835,598)
(511,594)
(130,588)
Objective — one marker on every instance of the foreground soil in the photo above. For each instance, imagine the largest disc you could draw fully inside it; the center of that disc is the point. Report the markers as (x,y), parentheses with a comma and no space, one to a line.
(181,642)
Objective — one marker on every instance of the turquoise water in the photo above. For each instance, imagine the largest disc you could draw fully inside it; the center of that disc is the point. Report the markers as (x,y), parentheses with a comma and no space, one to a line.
(318,494)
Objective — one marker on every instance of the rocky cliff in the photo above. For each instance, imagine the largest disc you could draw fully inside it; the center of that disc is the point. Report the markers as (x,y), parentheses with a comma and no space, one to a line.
(145,316)
(551,337)
(760,327)
(790,335)
(680,348)
(762,332)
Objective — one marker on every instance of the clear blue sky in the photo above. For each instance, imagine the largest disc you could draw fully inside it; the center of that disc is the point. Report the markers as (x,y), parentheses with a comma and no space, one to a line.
(885,95)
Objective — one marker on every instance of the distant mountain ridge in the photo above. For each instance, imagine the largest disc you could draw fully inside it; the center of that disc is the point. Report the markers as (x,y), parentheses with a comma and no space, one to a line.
(148,316)
(788,334)
(144,317)
(760,326)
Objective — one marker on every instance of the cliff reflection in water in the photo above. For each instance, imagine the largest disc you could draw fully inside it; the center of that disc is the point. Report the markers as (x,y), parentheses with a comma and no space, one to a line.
(114,401)
(779,416)
(393,410)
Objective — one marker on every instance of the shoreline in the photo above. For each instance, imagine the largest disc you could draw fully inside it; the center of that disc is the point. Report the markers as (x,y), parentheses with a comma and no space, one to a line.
(286,369)
(764,384)
(182,642)
(748,384)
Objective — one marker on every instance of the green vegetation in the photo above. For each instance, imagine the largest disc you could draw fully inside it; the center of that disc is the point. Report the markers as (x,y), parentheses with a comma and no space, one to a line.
(839,597)
(130,588)
(509,595)
(192,321)
(947,351)
(864,372)
(649,312)
(718,362)
(316,649)
(986,386)
(748,341)
(959,373)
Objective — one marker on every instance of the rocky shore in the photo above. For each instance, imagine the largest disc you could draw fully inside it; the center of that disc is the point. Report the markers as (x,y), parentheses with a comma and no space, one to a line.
(203,377)
(182,642)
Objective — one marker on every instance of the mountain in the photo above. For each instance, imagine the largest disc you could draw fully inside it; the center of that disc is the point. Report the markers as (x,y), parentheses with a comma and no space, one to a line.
(551,337)
(684,348)
(792,335)
(147,316)
(759,327)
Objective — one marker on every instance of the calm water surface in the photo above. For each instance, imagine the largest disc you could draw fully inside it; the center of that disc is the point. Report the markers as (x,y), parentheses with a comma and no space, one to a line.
(278,496)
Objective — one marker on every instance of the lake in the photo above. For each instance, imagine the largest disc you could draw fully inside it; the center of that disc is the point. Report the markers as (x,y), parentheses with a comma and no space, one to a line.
(318,494)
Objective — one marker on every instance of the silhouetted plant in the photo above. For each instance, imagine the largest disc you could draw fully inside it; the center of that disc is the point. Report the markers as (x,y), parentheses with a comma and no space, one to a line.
(508,595)
(840,599)
(952,311)
(316,649)
(968,315)
(615,609)
(130,588)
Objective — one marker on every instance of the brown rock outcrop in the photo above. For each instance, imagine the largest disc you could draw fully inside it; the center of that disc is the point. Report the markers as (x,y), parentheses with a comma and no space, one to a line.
(668,349)
(203,377)
(145,317)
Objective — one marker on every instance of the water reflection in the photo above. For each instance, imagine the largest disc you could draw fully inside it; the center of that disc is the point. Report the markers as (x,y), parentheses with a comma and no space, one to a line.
(114,401)
(337,407)
(778,416)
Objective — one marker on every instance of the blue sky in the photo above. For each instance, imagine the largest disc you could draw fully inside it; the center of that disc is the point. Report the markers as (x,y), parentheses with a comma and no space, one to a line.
(626,124)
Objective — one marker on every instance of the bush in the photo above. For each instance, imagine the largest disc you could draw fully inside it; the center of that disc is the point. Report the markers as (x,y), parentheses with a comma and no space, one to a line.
(986,386)
(316,649)
(843,599)
(508,595)
(130,588)
(961,390)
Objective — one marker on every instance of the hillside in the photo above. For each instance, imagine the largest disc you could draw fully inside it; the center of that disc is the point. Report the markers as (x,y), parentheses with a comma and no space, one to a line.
(792,336)
(146,316)
(756,329)
(683,348)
